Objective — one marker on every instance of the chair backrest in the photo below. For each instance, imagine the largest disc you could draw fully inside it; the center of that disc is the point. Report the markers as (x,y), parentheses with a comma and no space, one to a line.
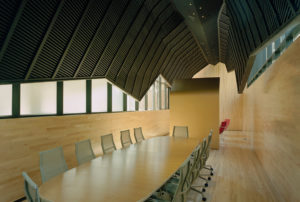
(31,189)
(183,184)
(125,138)
(227,123)
(138,134)
(208,143)
(52,163)
(180,131)
(84,151)
(107,142)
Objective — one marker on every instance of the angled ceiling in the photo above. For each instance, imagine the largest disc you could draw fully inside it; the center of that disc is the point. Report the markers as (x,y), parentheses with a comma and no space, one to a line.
(131,42)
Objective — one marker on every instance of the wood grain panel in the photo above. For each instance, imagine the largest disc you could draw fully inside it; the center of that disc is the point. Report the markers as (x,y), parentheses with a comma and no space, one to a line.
(231,103)
(268,112)
(195,103)
(22,139)
(272,116)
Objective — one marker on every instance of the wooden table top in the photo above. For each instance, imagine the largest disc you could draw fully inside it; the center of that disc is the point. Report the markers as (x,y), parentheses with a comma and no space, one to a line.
(130,174)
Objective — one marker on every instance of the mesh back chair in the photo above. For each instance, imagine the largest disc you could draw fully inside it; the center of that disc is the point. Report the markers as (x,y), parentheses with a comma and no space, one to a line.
(196,168)
(180,131)
(138,134)
(125,138)
(52,163)
(84,151)
(31,190)
(208,167)
(175,190)
(107,143)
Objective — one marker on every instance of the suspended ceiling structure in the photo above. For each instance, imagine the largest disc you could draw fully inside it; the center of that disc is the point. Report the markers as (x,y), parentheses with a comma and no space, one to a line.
(131,42)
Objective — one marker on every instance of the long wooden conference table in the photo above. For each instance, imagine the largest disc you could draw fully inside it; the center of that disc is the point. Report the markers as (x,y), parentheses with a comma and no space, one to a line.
(130,174)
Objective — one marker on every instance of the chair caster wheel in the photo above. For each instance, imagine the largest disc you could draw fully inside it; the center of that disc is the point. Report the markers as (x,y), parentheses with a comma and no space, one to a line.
(206,185)
(211,174)
(203,199)
(209,178)
(203,190)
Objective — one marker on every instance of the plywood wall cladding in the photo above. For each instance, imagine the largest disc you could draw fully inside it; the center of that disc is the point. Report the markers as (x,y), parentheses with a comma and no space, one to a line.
(22,139)
(272,115)
(268,112)
(195,103)
(231,103)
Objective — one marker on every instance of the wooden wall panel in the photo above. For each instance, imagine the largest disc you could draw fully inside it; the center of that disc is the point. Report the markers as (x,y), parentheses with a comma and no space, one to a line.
(272,115)
(231,103)
(22,139)
(268,112)
(196,105)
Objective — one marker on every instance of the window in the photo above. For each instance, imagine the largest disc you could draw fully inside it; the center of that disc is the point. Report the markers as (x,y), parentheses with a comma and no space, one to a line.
(150,97)
(163,96)
(99,95)
(6,100)
(70,97)
(157,97)
(271,52)
(74,97)
(117,99)
(38,98)
(142,104)
(130,103)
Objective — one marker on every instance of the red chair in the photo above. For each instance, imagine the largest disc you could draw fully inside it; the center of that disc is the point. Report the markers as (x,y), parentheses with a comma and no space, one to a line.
(224,126)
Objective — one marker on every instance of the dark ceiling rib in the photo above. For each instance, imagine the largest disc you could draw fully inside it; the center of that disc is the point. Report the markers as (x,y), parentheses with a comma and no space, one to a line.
(170,46)
(38,52)
(72,39)
(185,61)
(161,53)
(24,42)
(139,43)
(9,11)
(101,38)
(178,59)
(150,40)
(12,29)
(83,37)
(177,51)
(195,67)
(136,29)
(131,42)
(110,38)
(57,40)
(144,68)
(153,69)
(172,51)
(118,37)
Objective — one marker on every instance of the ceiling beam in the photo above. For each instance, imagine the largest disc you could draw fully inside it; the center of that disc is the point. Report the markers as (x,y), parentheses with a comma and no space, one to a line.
(45,38)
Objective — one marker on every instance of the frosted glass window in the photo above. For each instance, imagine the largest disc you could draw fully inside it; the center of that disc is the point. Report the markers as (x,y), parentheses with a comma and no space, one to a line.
(117,99)
(157,103)
(99,95)
(5,100)
(167,98)
(163,96)
(38,98)
(142,104)
(74,97)
(150,98)
(130,103)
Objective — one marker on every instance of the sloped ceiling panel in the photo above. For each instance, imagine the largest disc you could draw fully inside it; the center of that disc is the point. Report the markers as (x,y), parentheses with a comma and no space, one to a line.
(129,42)
(244,26)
